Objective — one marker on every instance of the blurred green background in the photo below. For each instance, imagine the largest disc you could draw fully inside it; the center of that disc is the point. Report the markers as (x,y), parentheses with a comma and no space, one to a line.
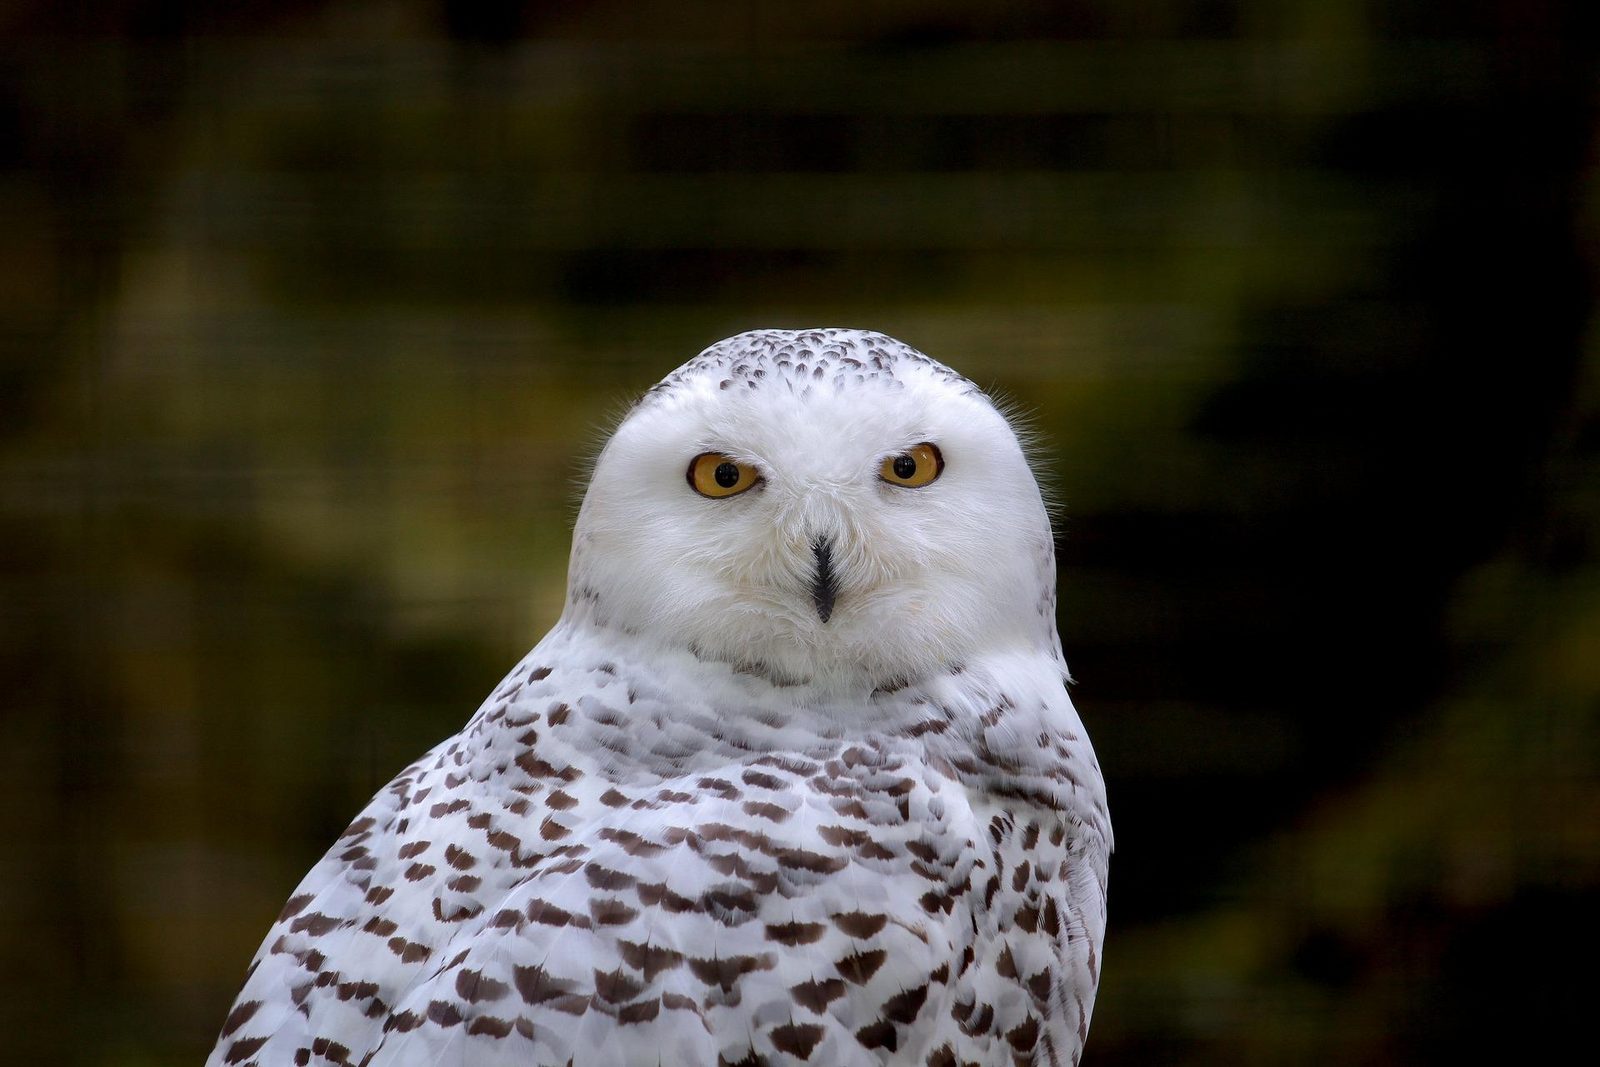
(309,314)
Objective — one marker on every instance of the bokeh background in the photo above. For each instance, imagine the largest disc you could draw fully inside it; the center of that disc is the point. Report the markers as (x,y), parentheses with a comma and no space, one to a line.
(310,312)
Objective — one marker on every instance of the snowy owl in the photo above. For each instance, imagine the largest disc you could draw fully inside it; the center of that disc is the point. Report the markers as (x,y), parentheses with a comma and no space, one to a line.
(794,779)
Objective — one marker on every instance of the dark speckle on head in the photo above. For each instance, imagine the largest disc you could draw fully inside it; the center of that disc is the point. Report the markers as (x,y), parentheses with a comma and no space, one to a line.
(765,359)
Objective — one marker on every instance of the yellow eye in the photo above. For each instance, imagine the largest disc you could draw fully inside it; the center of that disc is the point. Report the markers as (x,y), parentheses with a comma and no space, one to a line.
(914,467)
(715,475)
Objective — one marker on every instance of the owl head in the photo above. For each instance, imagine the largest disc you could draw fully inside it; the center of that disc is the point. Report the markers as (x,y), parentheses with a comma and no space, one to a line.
(823,507)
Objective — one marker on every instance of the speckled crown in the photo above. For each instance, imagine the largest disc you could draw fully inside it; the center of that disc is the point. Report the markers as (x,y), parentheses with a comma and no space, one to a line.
(806,357)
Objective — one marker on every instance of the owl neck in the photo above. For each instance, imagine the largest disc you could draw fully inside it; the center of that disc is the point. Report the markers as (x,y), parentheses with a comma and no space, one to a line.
(1003,724)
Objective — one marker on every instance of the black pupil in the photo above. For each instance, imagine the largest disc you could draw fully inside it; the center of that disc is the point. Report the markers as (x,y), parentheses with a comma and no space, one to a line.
(904,467)
(726,474)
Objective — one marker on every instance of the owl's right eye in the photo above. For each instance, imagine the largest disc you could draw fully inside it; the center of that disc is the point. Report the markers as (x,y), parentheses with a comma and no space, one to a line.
(716,475)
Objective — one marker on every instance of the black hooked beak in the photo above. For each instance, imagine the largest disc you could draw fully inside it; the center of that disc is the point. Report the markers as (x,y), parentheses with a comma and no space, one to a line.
(824,583)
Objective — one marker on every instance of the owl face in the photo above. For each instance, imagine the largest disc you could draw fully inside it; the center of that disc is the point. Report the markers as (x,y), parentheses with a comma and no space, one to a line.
(826,508)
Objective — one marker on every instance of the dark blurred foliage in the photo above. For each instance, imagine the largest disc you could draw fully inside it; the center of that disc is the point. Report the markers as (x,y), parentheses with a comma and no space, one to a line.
(311,312)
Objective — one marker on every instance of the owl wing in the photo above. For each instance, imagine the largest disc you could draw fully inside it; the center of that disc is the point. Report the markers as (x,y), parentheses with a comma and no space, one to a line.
(531,892)
(513,898)
(1036,901)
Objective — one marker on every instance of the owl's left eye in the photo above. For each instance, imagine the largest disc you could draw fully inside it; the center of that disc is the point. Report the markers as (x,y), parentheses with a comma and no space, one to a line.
(716,475)
(913,468)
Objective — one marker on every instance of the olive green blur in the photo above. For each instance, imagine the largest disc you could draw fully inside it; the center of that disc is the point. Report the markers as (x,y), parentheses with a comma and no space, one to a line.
(311,313)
